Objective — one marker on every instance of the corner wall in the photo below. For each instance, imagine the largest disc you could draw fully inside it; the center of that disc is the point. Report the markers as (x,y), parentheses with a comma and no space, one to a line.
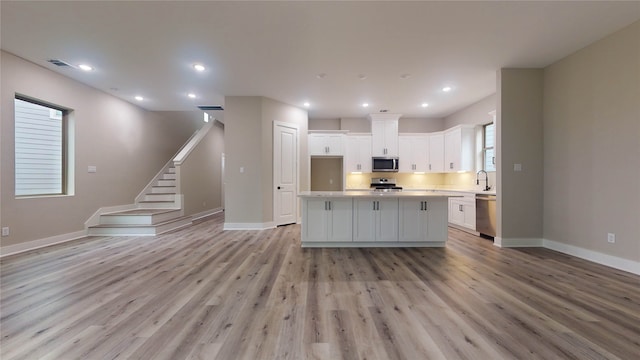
(592,147)
(127,144)
(519,141)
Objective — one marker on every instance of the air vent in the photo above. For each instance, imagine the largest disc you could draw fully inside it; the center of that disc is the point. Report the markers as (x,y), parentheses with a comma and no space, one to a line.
(210,107)
(384,110)
(57,62)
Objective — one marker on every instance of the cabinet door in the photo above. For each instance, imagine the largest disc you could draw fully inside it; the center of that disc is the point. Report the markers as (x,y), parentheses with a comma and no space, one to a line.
(452,148)
(436,220)
(469,214)
(364,220)
(387,220)
(420,151)
(340,225)
(436,153)
(314,224)
(391,137)
(405,152)
(334,144)
(364,150)
(377,138)
(358,154)
(456,211)
(317,144)
(412,220)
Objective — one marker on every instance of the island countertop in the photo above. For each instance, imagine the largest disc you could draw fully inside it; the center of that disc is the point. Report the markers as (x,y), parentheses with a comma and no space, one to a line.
(377,194)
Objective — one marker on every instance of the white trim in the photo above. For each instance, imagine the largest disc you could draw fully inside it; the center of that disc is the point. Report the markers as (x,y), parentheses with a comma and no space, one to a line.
(594,256)
(206,213)
(248,226)
(192,143)
(370,244)
(40,243)
(95,218)
(517,242)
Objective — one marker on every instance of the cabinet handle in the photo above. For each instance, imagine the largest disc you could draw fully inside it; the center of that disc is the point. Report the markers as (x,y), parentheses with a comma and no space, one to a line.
(329,204)
(425,206)
(374,205)
(460,208)
(421,205)
(429,166)
(451,165)
(493,160)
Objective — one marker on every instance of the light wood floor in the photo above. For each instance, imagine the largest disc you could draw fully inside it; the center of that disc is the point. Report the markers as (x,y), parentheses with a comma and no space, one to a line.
(201,293)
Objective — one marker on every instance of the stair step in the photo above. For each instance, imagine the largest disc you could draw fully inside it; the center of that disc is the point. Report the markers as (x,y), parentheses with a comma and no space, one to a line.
(163,189)
(171,170)
(139,217)
(160,197)
(168,176)
(163,182)
(139,230)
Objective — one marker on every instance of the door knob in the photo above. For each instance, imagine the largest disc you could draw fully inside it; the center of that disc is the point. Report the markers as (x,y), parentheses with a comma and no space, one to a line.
(278,187)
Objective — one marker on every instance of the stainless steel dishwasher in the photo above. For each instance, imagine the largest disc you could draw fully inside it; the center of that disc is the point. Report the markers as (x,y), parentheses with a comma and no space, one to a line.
(486,214)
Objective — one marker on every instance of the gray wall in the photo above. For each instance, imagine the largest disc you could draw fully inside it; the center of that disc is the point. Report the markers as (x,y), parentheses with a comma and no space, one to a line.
(519,141)
(248,141)
(127,144)
(475,114)
(592,146)
(201,173)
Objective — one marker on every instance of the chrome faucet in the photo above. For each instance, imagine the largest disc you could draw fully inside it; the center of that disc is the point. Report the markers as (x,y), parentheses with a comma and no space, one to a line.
(486,180)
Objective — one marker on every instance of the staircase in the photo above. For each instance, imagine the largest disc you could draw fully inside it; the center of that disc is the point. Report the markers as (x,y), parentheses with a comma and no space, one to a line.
(157,209)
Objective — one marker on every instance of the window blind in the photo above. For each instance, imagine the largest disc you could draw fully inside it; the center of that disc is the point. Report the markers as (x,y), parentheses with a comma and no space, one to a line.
(38,149)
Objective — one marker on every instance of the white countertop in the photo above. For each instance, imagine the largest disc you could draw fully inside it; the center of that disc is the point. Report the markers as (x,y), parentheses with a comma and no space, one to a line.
(442,189)
(369,193)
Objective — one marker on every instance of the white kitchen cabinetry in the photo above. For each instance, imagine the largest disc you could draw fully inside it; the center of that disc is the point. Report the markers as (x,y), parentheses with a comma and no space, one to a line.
(375,220)
(384,137)
(462,212)
(327,219)
(423,220)
(436,153)
(326,144)
(358,156)
(413,152)
(459,144)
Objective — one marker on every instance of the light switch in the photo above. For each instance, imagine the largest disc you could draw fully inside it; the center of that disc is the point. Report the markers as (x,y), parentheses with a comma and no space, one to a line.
(92,169)
(517,167)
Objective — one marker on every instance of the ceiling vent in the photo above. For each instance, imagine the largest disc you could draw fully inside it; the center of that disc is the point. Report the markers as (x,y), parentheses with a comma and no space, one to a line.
(384,110)
(210,107)
(58,62)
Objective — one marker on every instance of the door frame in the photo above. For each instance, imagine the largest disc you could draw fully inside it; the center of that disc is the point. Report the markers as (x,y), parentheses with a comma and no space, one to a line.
(277,123)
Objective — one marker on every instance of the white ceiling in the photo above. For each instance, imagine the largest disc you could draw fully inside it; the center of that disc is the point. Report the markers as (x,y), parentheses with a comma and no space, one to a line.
(277,49)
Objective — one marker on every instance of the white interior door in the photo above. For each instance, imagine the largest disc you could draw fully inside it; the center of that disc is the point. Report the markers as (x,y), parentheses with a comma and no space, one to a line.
(285,173)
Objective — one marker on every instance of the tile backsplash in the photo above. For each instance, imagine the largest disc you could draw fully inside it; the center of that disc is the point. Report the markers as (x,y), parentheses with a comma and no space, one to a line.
(409,181)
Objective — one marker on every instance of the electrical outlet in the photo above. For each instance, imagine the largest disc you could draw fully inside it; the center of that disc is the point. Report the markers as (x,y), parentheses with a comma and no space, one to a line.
(611,237)
(5,231)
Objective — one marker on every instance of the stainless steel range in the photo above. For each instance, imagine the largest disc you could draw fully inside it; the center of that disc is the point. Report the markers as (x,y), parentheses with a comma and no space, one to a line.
(384,184)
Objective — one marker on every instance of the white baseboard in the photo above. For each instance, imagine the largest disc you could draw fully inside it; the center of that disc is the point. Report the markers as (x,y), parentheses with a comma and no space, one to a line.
(40,243)
(206,213)
(594,256)
(517,242)
(248,226)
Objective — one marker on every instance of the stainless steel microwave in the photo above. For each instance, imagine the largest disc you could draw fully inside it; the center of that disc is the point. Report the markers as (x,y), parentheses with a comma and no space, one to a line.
(384,164)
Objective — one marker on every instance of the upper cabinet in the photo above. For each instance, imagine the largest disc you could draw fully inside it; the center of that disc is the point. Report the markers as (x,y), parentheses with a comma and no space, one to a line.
(358,155)
(326,144)
(413,152)
(459,143)
(384,134)
(436,153)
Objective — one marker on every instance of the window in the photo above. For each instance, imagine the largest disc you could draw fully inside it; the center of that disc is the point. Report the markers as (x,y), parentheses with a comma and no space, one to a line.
(40,148)
(488,147)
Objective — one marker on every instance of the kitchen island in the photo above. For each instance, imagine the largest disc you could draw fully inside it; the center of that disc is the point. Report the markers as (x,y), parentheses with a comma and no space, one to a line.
(374,218)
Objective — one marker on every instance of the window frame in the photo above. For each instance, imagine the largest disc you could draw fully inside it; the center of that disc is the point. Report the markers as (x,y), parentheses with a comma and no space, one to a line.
(485,148)
(64,148)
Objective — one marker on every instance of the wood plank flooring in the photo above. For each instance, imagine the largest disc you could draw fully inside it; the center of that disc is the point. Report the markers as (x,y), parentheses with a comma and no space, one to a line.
(205,293)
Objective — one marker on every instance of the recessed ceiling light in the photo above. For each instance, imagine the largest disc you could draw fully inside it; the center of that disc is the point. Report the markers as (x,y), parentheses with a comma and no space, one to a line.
(321,76)
(139,98)
(446,88)
(191,95)
(85,67)
(405,76)
(199,67)
(365,105)
(306,104)
(424,105)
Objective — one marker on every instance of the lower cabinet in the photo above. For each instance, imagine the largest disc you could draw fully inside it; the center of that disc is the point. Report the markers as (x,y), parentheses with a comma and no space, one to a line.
(462,212)
(375,220)
(327,220)
(423,220)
